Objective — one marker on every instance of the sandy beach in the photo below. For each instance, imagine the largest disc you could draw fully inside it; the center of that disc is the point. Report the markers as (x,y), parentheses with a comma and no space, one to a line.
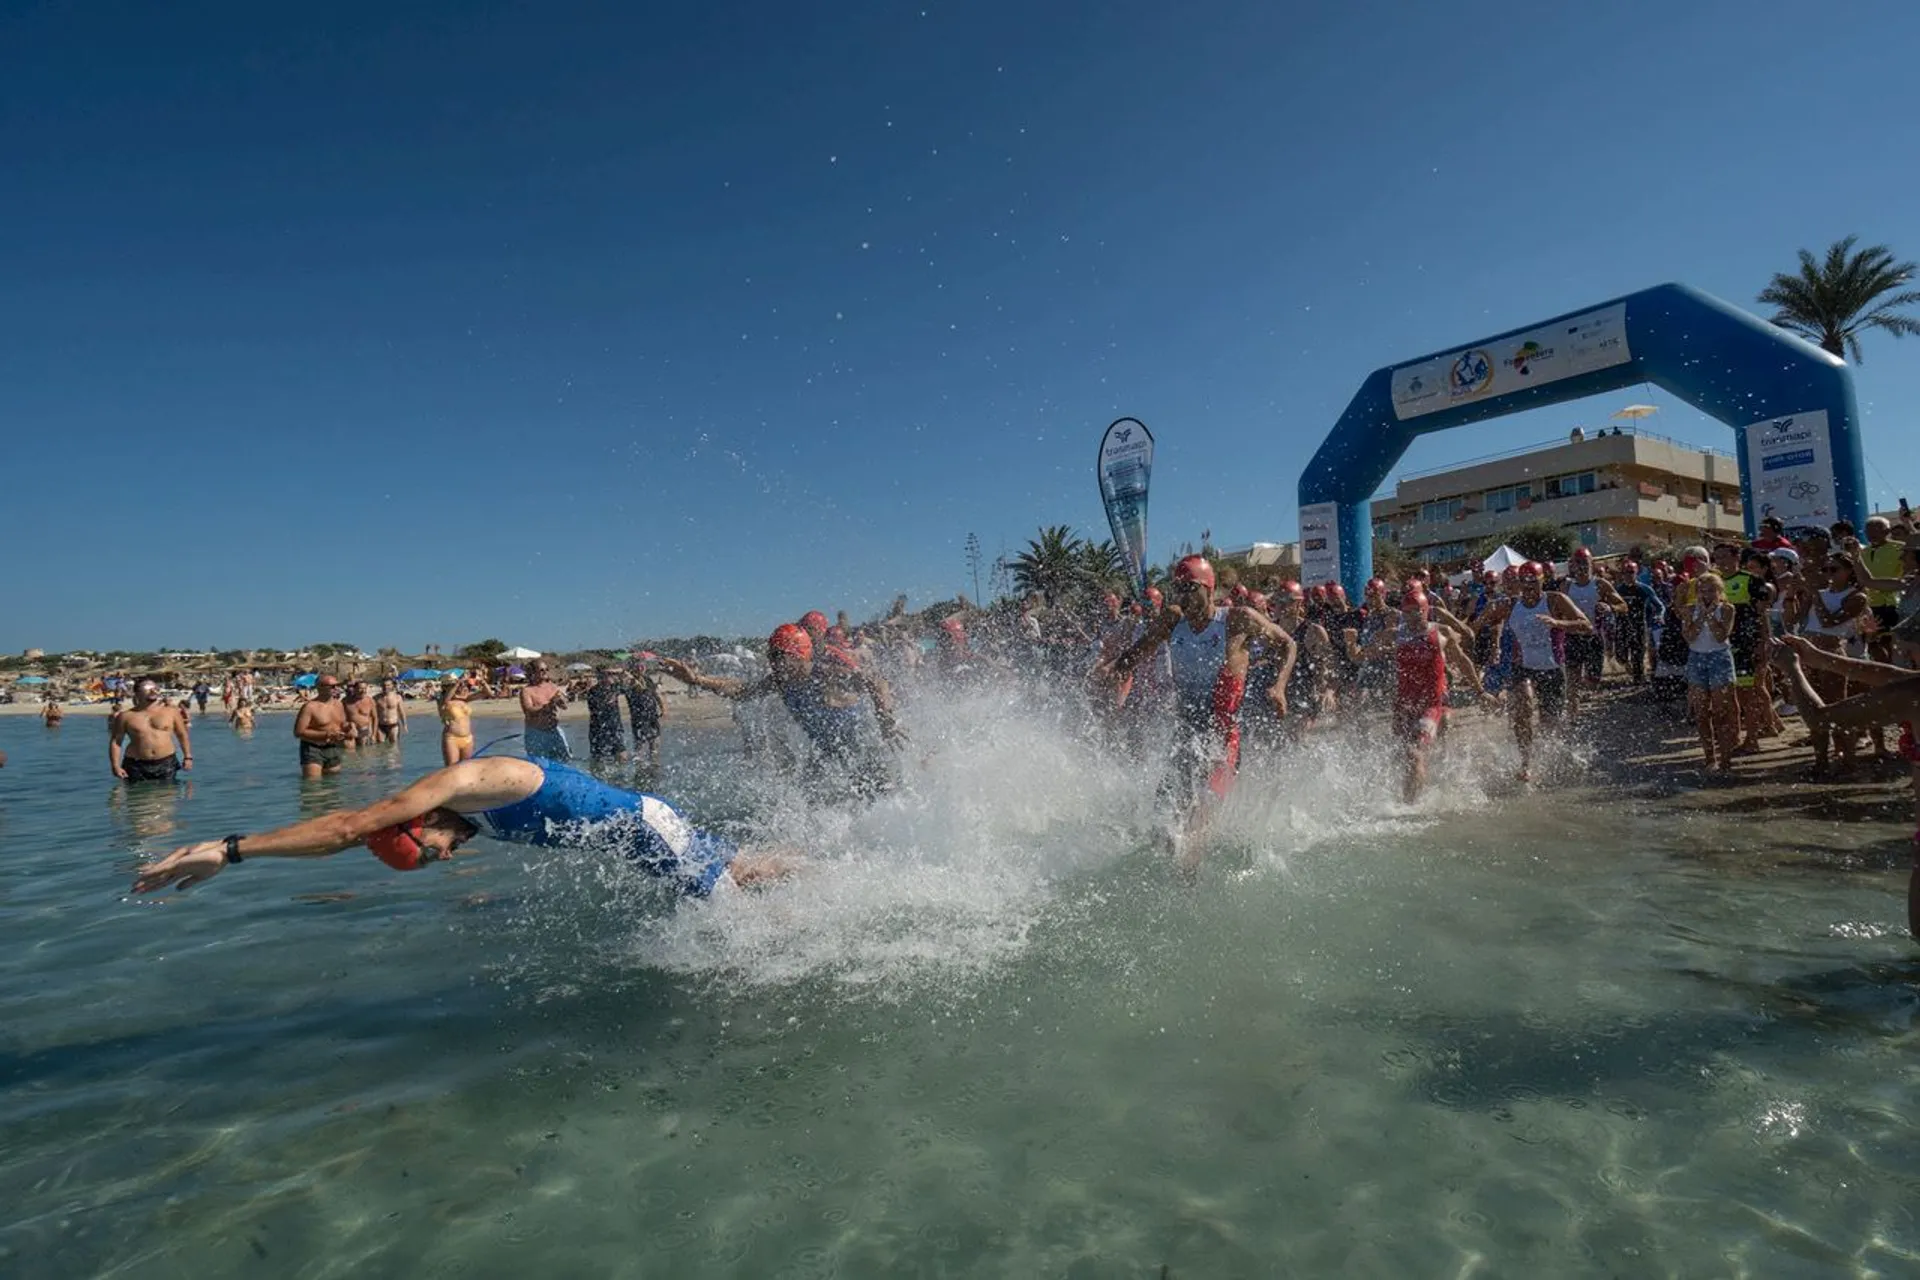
(681,705)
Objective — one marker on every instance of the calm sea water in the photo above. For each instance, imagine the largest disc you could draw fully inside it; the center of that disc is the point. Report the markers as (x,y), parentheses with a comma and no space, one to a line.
(987,1035)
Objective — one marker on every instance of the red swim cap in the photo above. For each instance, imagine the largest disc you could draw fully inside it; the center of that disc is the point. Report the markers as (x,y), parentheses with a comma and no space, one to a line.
(1318,593)
(1239,594)
(1293,591)
(398,846)
(1194,569)
(1414,595)
(789,639)
(1581,553)
(1155,598)
(1255,600)
(1533,569)
(1378,584)
(1336,592)
(814,621)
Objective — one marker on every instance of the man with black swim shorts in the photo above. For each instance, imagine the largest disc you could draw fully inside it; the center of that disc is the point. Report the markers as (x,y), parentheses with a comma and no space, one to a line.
(323,730)
(149,729)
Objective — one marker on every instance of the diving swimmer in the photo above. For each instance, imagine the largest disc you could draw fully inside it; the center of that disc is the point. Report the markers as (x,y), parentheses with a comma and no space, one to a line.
(540,803)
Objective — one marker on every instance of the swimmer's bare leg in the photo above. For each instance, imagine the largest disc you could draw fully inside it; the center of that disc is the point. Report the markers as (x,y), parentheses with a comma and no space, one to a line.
(764,866)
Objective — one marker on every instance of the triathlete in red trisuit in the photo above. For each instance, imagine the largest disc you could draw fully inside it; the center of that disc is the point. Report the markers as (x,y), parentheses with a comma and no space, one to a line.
(1420,649)
(1209,651)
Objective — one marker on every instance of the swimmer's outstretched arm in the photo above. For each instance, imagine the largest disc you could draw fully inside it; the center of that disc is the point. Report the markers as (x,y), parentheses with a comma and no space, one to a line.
(469,785)
(1897,698)
(685,674)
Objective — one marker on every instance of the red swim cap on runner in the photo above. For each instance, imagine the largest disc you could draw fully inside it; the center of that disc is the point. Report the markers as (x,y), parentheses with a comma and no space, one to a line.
(1336,592)
(1415,595)
(1377,584)
(1155,598)
(398,846)
(1293,591)
(1318,593)
(789,639)
(1256,601)
(1581,553)
(1533,569)
(814,621)
(1194,569)
(1239,594)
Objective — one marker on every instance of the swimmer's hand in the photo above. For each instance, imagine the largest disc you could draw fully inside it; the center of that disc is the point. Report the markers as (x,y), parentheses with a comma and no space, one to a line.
(183,868)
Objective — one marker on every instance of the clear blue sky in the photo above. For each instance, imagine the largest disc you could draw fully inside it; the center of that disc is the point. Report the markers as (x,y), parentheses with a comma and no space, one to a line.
(567,323)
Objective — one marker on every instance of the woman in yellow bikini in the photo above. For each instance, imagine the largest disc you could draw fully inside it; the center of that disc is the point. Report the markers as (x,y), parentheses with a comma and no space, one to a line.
(456,723)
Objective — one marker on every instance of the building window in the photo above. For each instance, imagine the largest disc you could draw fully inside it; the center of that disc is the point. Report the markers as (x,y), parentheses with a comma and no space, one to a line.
(1438,512)
(1589,535)
(1509,498)
(1568,486)
(1383,531)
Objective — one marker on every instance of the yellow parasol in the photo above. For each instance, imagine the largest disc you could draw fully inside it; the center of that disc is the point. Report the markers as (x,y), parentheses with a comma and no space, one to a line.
(1637,411)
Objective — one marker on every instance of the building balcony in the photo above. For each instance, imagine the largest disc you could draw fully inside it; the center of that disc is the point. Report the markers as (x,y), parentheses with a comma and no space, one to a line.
(1626,502)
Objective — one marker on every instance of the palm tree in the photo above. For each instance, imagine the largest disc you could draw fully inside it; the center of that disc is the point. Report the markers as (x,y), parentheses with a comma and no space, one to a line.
(1831,302)
(1050,564)
(1102,567)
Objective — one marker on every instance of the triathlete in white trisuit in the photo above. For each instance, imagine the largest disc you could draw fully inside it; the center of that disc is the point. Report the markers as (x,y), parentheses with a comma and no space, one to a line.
(1538,678)
(1586,654)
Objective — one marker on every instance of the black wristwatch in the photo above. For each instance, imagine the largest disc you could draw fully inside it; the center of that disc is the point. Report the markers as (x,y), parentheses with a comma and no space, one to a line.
(233,849)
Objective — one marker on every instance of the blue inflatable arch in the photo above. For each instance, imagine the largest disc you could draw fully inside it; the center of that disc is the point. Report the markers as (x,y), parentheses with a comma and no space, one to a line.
(1790,404)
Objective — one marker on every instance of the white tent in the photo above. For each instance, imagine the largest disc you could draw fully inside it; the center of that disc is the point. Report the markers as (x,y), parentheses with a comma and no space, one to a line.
(1503,559)
(518,654)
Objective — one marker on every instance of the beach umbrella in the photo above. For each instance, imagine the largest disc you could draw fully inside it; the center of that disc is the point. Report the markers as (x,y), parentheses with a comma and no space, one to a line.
(579,666)
(31,680)
(418,673)
(518,654)
(516,671)
(1637,411)
(307,681)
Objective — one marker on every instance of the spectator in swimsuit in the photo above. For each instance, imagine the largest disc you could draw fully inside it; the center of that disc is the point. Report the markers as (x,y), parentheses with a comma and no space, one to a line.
(648,710)
(148,729)
(456,722)
(391,711)
(606,732)
(322,729)
(541,702)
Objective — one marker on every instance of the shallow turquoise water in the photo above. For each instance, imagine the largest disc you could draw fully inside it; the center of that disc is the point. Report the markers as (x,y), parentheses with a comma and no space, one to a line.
(986,1035)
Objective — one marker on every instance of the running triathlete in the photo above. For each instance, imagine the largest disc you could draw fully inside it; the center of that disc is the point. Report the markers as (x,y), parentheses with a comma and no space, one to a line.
(535,802)
(1420,648)
(824,696)
(1537,680)
(149,728)
(1210,648)
(1587,653)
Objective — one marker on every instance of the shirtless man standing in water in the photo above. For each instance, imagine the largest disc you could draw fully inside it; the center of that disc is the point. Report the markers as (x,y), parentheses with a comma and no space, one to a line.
(150,727)
(391,711)
(360,713)
(322,728)
(541,702)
